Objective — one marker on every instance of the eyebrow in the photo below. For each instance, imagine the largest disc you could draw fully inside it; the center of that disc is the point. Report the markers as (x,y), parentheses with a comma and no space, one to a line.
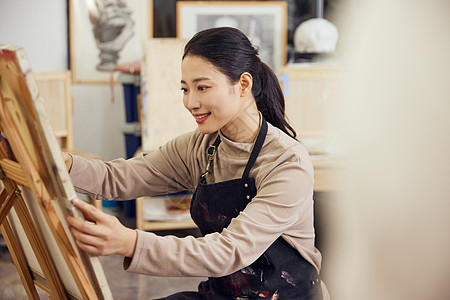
(197,79)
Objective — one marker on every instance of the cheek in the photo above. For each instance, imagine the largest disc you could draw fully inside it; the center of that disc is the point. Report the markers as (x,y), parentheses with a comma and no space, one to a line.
(222,99)
(211,101)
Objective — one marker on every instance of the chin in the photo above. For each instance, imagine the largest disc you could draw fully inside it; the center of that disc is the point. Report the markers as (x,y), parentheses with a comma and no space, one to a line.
(212,127)
(205,130)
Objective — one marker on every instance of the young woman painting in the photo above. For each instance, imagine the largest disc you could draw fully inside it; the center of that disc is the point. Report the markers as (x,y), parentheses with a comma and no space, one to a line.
(252,183)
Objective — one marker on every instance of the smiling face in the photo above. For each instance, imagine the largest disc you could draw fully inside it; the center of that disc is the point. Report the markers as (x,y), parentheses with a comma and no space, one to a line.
(208,95)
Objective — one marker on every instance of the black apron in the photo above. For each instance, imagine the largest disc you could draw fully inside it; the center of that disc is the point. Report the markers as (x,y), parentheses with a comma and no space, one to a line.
(280,273)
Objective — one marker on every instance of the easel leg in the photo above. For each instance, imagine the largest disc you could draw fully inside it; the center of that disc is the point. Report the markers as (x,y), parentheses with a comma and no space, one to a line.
(19,260)
(6,202)
(14,198)
(53,281)
(3,196)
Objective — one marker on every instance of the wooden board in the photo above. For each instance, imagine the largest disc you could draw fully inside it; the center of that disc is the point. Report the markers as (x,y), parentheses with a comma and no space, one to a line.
(56,90)
(312,95)
(163,113)
(24,122)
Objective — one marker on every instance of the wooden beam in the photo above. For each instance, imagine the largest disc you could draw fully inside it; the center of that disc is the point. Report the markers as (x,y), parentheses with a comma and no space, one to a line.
(54,283)
(6,204)
(19,260)
(13,170)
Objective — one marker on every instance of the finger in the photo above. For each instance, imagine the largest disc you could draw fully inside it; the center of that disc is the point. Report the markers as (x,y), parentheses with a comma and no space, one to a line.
(90,212)
(84,226)
(91,244)
(87,239)
(88,248)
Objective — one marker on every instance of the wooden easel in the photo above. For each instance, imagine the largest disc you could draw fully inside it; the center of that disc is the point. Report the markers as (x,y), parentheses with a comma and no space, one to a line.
(11,196)
(12,175)
(31,165)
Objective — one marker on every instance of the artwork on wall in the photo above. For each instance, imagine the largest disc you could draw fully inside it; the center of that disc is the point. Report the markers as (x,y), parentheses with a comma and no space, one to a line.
(263,22)
(104,33)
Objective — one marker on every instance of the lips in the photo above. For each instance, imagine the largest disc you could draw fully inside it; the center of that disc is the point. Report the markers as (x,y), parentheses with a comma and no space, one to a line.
(200,118)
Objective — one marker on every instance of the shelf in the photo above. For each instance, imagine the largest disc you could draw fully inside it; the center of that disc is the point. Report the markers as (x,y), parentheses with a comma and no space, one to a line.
(146,224)
(166,225)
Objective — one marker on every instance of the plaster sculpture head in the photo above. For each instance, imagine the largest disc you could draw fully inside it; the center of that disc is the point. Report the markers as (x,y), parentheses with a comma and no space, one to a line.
(112,26)
(315,36)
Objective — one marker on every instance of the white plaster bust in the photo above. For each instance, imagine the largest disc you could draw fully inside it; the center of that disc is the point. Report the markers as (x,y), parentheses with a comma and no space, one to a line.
(315,36)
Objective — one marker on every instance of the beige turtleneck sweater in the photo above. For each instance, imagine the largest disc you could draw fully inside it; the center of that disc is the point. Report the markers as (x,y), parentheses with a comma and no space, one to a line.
(282,206)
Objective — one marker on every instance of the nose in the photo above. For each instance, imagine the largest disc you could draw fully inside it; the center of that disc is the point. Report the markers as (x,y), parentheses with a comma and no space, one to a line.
(191,102)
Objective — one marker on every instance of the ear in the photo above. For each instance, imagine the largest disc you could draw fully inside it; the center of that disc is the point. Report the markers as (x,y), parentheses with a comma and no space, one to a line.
(245,84)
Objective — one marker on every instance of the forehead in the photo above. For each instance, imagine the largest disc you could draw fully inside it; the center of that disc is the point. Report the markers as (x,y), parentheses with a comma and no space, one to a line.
(195,66)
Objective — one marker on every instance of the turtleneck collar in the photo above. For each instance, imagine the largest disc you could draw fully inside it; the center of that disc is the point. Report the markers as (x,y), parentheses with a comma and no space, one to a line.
(234,148)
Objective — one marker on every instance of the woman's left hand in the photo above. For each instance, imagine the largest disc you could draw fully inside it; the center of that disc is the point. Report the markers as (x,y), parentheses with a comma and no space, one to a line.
(100,233)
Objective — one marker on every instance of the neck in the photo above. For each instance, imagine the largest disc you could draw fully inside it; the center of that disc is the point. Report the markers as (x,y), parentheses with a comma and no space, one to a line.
(244,128)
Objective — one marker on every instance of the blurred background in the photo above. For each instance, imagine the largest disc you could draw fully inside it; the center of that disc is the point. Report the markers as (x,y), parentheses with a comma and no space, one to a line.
(367,89)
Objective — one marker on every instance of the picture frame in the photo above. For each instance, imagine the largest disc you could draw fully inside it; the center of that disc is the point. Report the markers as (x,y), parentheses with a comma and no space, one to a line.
(264,22)
(102,36)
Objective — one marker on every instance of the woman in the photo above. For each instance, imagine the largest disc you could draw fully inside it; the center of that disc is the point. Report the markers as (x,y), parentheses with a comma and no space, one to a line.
(253,185)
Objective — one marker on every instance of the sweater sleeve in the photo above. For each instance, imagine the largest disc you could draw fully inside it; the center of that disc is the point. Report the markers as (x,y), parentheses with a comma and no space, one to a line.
(283,198)
(162,171)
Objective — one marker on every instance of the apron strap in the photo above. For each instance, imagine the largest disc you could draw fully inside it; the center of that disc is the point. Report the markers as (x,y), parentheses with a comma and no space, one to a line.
(256,148)
(210,153)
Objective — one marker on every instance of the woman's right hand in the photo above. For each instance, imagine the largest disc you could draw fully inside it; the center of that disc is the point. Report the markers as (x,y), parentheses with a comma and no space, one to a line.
(100,233)
(68,160)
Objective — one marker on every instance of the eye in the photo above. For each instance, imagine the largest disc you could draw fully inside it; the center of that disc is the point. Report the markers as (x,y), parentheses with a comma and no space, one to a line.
(184,90)
(202,88)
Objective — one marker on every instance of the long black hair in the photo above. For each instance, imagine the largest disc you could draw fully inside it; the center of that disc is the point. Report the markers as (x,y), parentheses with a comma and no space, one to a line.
(229,50)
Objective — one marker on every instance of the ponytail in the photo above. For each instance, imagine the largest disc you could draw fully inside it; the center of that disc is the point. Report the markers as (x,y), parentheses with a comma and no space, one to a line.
(270,99)
(231,52)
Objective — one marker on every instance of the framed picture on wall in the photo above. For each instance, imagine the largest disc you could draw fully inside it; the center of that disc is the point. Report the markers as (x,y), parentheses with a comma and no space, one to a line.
(264,23)
(104,34)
